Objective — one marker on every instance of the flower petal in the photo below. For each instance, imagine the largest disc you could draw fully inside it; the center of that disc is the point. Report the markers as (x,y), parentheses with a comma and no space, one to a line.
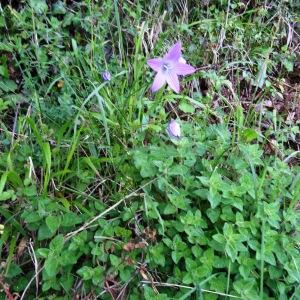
(181,60)
(174,53)
(183,69)
(173,82)
(158,82)
(155,63)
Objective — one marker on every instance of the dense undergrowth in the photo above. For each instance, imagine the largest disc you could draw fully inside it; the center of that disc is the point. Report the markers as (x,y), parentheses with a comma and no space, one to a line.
(98,202)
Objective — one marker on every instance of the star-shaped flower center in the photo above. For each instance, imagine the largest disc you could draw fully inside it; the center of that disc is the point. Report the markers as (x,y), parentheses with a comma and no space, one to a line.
(166,67)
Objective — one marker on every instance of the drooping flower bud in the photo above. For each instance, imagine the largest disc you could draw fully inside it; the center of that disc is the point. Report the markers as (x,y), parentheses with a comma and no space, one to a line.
(106,76)
(173,129)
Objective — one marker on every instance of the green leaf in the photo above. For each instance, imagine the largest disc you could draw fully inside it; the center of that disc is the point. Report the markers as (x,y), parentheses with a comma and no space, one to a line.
(188,278)
(9,194)
(169,209)
(197,251)
(44,232)
(98,275)
(271,211)
(288,64)
(208,257)
(7,85)
(47,285)
(47,156)
(39,6)
(4,46)
(53,223)
(158,255)
(214,198)
(190,264)
(3,182)
(4,71)
(275,273)
(233,241)
(245,287)
(293,270)
(219,283)
(125,273)
(14,270)
(57,243)
(70,219)
(219,238)
(180,249)
(176,256)
(149,294)
(122,232)
(51,265)
(94,274)
(86,272)
(115,260)
(178,200)
(213,214)
(31,217)
(58,8)
(249,134)
(67,281)
(68,257)
(142,162)
(179,170)
(186,107)
(14,179)
(43,252)
(262,73)
(252,153)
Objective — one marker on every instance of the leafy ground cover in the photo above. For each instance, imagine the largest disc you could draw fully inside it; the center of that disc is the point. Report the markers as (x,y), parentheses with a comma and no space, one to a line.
(98,201)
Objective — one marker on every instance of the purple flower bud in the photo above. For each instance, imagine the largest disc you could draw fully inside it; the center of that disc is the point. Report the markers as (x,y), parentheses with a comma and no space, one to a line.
(106,76)
(173,129)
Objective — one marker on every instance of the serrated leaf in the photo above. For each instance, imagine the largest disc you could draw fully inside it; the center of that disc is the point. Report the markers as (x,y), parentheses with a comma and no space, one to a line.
(186,107)
(213,214)
(53,223)
(219,238)
(142,162)
(178,200)
(39,6)
(43,252)
(86,272)
(157,254)
(51,265)
(115,260)
(57,243)
(44,232)
(249,135)
(214,198)
(244,286)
